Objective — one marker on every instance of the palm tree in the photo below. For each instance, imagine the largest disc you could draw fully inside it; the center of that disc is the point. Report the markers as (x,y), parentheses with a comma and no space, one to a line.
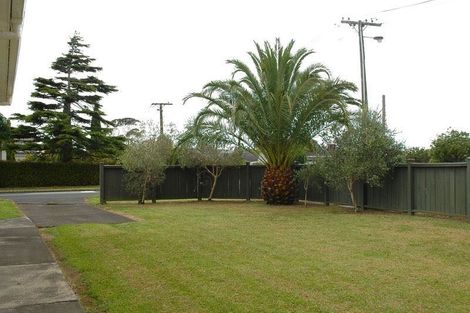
(275,110)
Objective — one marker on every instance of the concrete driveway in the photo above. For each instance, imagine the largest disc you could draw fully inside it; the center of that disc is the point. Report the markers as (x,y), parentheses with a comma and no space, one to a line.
(48,209)
(30,279)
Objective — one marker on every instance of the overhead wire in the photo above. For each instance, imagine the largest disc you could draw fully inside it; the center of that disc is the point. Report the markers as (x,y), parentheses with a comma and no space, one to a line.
(406,6)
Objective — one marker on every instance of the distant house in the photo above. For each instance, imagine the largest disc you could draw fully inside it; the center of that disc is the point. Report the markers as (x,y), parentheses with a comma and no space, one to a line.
(250,157)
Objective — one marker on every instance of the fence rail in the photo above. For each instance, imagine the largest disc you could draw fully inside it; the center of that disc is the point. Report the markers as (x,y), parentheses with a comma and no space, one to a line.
(414,187)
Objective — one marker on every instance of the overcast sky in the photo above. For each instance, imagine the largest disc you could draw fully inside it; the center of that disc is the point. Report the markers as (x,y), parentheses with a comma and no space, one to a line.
(162,50)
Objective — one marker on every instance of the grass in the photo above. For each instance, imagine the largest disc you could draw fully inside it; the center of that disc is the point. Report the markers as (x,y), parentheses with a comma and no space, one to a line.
(8,209)
(249,257)
(53,188)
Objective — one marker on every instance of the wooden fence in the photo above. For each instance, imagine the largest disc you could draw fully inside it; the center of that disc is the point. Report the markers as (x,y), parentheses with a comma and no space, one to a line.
(415,187)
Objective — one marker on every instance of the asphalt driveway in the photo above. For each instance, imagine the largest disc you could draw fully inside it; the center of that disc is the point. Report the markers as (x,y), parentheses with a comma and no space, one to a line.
(47,209)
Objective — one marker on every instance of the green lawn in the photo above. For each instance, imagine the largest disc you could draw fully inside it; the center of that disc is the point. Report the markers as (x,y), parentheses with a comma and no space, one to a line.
(8,209)
(238,257)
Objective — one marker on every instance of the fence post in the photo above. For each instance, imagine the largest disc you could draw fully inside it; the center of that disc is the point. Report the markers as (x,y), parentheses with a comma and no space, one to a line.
(198,184)
(326,194)
(467,190)
(410,192)
(102,187)
(248,182)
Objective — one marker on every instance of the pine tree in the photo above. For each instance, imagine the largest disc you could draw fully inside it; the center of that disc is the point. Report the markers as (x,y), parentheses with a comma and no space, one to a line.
(67,120)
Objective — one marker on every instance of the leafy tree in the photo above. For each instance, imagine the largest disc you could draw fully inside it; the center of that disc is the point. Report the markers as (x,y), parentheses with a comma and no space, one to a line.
(145,162)
(126,127)
(451,146)
(275,110)
(67,120)
(417,154)
(209,151)
(5,131)
(365,151)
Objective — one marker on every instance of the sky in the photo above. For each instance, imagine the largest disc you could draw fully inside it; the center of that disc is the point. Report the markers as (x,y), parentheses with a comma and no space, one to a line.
(159,51)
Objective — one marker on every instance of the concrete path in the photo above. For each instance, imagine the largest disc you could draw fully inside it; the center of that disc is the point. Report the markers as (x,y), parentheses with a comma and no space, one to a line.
(48,209)
(30,279)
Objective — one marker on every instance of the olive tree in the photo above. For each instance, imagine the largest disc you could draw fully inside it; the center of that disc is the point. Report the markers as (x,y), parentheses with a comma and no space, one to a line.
(365,151)
(305,175)
(208,150)
(145,162)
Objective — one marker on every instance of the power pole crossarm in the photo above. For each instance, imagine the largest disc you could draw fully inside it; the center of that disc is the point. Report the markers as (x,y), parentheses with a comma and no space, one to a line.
(360,30)
(161,104)
(365,23)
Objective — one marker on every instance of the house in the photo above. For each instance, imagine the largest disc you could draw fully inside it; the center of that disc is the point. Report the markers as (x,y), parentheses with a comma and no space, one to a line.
(11,19)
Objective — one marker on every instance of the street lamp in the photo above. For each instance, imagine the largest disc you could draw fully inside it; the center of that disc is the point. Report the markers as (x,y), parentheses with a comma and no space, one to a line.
(376,38)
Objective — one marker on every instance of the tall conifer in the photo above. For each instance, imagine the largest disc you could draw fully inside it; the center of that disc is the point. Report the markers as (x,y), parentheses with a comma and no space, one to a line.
(67,116)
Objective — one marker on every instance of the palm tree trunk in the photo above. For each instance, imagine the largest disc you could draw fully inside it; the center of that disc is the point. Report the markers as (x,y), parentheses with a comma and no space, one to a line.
(278,185)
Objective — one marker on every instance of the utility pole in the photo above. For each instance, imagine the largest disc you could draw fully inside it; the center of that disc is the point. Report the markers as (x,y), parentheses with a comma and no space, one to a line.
(161,104)
(361,25)
(384,112)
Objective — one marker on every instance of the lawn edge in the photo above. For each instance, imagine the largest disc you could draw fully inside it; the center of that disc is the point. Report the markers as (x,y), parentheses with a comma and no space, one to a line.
(72,275)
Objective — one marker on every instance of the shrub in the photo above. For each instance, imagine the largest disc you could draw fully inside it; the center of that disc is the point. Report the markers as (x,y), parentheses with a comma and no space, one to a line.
(451,146)
(43,174)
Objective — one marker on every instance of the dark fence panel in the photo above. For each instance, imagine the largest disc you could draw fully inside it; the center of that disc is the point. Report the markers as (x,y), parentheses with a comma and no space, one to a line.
(439,188)
(179,183)
(229,183)
(113,184)
(256,176)
(393,195)
(315,191)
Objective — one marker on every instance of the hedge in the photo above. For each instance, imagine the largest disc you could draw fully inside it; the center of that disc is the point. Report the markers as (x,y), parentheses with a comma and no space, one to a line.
(42,174)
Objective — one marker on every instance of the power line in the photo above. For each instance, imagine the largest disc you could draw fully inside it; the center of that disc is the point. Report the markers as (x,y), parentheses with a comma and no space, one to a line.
(406,6)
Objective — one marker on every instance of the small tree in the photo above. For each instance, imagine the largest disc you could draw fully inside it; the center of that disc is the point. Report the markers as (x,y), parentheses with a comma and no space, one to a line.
(451,146)
(145,162)
(365,151)
(306,175)
(208,150)
(211,158)
(5,131)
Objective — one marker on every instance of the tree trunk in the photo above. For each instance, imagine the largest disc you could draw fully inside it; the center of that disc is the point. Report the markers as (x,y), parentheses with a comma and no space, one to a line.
(144,191)
(214,182)
(215,173)
(306,192)
(66,151)
(278,185)
(350,184)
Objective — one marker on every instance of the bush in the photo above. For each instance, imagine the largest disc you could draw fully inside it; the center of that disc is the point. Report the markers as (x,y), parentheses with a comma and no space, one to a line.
(451,146)
(417,154)
(42,174)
